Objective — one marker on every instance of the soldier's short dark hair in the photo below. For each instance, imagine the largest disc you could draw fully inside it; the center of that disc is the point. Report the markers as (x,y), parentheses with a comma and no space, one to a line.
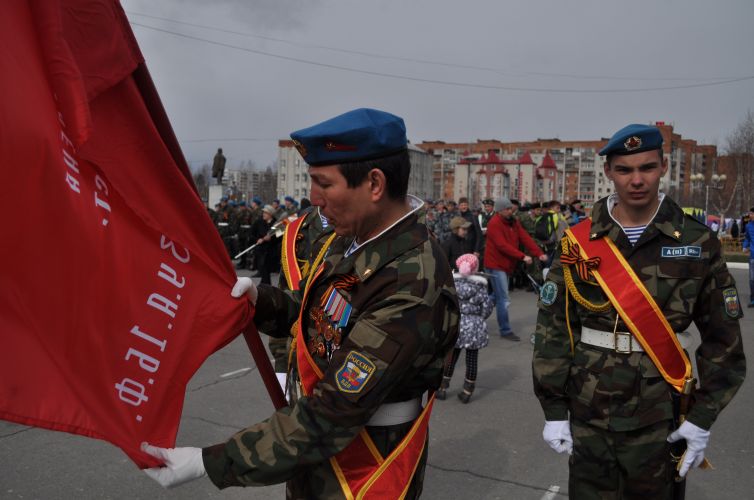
(396,168)
(610,157)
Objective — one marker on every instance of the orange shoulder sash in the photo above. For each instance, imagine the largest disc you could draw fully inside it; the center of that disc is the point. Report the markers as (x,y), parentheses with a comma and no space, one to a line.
(289,262)
(635,305)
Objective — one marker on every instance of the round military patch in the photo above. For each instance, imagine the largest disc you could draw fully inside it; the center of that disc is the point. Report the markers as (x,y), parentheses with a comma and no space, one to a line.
(548,293)
(730,298)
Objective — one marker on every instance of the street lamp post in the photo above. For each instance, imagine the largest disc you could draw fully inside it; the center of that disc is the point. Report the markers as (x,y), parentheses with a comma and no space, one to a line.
(716,182)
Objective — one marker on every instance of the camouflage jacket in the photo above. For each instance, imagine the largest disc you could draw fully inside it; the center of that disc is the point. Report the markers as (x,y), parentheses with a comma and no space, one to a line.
(623,392)
(404,320)
(441,228)
(528,222)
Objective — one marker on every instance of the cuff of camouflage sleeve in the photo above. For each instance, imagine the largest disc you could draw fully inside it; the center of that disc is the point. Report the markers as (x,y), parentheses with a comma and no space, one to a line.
(216,463)
(557,412)
(701,417)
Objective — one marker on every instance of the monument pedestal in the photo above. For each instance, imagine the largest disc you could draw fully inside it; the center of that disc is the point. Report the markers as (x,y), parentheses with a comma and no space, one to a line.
(215,193)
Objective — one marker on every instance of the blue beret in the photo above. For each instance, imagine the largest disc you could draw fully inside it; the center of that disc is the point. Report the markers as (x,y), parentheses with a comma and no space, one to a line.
(289,198)
(361,134)
(257,200)
(632,139)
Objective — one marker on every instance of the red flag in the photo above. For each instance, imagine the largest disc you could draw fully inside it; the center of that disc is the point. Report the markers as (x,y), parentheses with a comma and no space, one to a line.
(115,286)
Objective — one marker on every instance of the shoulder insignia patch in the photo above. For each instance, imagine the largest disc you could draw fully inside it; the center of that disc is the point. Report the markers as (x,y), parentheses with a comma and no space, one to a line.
(357,369)
(730,298)
(548,293)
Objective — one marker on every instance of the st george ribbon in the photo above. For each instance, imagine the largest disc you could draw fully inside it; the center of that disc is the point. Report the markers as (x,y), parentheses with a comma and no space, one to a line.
(114,284)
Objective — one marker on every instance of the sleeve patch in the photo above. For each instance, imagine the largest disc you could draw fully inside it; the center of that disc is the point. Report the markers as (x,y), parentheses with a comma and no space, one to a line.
(732,306)
(548,293)
(353,375)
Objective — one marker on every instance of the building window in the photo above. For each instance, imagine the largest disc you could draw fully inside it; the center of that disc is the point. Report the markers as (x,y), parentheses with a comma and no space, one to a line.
(282,163)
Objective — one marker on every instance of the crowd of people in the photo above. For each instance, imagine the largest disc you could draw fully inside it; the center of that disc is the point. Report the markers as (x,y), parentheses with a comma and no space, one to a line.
(382,296)
(242,225)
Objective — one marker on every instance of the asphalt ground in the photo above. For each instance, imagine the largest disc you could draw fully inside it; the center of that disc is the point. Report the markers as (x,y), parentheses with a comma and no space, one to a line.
(491,448)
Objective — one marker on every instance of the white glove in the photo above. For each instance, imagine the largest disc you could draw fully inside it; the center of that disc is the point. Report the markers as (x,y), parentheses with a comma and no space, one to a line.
(696,441)
(181,465)
(245,286)
(557,434)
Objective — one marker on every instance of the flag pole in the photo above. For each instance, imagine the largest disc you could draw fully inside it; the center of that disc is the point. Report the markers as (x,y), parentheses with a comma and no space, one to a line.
(259,354)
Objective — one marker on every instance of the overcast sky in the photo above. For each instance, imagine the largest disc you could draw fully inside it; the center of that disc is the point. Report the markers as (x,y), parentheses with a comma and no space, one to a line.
(454,70)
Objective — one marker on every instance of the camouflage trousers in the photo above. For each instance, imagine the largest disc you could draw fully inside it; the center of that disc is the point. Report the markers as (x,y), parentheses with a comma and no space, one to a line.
(620,465)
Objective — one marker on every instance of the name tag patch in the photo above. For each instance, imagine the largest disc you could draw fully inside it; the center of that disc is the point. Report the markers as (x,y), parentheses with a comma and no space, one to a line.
(357,369)
(692,252)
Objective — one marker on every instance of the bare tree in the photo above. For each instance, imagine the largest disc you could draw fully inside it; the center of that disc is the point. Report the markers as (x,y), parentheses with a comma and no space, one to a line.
(201,180)
(740,146)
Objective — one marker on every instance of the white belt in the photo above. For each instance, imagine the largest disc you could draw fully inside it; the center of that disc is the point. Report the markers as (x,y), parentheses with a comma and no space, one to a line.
(396,413)
(222,224)
(622,342)
(245,226)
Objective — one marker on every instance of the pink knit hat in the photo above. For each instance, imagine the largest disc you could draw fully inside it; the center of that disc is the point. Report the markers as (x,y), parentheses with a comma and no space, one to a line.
(467,264)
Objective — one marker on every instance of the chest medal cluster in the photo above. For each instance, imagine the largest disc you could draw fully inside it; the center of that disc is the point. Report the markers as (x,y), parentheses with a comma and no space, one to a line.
(329,318)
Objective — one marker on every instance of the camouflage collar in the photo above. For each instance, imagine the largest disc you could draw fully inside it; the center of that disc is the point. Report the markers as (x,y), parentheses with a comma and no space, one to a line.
(668,220)
(406,234)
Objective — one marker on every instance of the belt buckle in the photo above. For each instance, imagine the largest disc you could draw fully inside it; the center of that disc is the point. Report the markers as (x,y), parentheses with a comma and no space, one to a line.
(616,336)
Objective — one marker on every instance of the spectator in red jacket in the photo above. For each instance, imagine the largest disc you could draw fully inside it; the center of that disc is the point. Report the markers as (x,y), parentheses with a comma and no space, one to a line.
(505,236)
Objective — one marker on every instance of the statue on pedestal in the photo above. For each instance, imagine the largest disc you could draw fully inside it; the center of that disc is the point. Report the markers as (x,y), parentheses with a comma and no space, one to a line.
(218,166)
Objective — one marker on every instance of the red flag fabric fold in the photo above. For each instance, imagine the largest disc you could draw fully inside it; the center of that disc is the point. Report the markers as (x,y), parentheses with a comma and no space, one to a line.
(115,286)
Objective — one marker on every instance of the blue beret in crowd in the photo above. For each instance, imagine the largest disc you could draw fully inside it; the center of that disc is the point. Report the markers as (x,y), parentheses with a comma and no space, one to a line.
(289,198)
(257,200)
(632,139)
(361,134)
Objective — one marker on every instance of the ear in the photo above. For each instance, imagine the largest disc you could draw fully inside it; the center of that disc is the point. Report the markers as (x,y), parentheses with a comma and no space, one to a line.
(664,164)
(377,184)
(606,169)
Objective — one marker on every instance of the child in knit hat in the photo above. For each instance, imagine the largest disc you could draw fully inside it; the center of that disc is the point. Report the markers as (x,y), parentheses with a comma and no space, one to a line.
(476,306)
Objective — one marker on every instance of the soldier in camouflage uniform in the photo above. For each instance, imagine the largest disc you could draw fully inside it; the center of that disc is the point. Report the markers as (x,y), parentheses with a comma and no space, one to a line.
(312,236)
(528,219)
(244,219)
(403,321)
(613,410)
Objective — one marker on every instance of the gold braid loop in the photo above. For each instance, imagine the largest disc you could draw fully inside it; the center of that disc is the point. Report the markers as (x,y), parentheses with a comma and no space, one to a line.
(588,265)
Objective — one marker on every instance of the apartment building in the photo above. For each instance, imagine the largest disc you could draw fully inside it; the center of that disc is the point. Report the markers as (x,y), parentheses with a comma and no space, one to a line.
(551,168)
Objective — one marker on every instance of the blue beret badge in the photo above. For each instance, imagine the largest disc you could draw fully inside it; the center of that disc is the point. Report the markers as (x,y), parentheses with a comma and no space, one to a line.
(730,297)
(357,369)
(549,293)
(632,143)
